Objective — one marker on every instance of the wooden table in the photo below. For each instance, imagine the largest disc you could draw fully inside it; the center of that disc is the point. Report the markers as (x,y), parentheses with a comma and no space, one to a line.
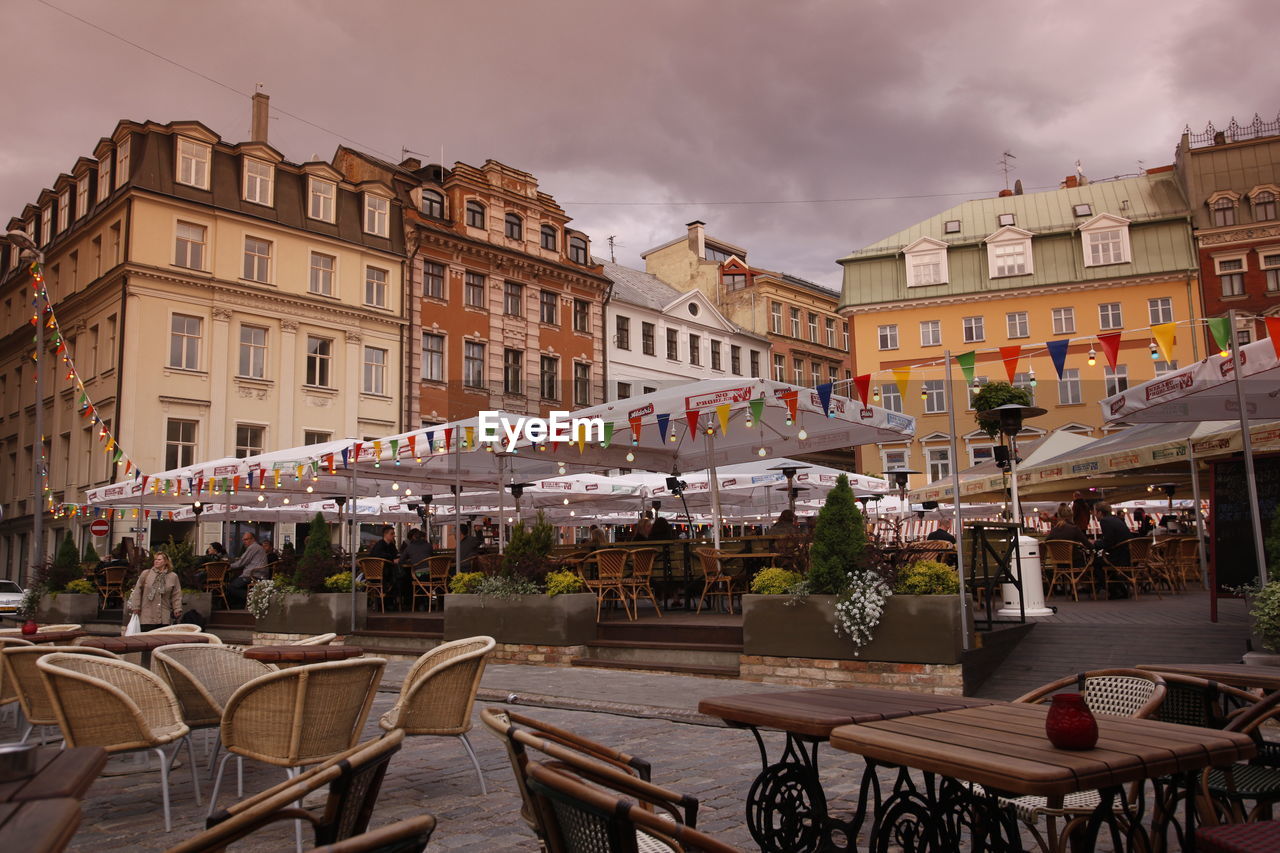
(141,643)
(60,638)
(786,806)
(39,826)
(1003,748)
(291,655)
(42,812)
(1234,674)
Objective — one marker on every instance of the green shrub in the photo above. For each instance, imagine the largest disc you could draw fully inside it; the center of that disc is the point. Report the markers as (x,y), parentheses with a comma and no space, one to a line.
(81,586)
(341,582)
(839,541)
(563,583)
(317,562)
(775,582)
(994,395)
(927,577)
(527,550)
(65,567)
(506,586)
(1266,615)
(90,553)
(465,583)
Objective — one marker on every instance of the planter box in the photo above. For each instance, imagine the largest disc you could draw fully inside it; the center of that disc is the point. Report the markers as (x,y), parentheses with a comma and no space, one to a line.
(316,613)
(67,608)
(201,602)
(543,620)
(913,629)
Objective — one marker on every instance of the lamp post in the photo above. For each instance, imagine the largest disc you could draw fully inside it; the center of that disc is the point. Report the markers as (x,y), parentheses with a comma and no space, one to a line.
(900,476)
(25,244)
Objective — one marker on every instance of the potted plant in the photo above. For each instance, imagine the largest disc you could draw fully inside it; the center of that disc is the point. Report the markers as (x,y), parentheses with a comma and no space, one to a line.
(308,603)
(511,606)
(68,596)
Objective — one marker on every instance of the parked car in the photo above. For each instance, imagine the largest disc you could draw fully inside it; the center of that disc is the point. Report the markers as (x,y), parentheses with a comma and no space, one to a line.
(10,596)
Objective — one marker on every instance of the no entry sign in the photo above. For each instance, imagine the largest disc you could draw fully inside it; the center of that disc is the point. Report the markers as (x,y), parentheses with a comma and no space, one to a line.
(100,527)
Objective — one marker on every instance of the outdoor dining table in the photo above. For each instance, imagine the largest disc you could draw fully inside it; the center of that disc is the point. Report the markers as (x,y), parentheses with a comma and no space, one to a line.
(294,655)
(42,811)
(60,638)
(786,805)
(970,757)
(144,644)
(1233,674)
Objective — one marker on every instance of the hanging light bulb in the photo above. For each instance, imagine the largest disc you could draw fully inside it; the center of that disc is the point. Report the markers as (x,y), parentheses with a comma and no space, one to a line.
(762,452)
(1155,351)
(1093,356)
(395,487)
(408,491)
(261,498)
(875,395)
(748,423)
(924,393)
(565,501)
(1032,375)
(802,434)
(310,489)
(673,437)
(1224,352)
(286,500)
(572,513)
(631,457)
(561,469)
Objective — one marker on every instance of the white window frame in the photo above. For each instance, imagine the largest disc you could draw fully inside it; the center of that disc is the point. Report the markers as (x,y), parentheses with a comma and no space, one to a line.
(1023,380)
(1270,196)
(890,397)
(926,262)
(829,325)
(319,364)
(192,163)
(1069,389)
(322,197)
(433,358)
(979,453)
(887,336)
(377,215)
(123,152)
(779,368)
(937,463)
(186,332)
(258,181)
(257,266)
(889,458)
(1110,316)
(797,371)
(1064,321)
(473,364)
(1018,324)
(1116,380)
(322,281)
(935,396)
(252,363)
(1162,367)
(248,447)
(930,333)
(794,317)
(64,209)
(184,451)
(1269,261)
(190,250)
(974,329)
(1102,231)
(1009,253)
(104,177)
(373,373)
(1160,310)
(46,224)
(375,291)
(775,317)
(82,196)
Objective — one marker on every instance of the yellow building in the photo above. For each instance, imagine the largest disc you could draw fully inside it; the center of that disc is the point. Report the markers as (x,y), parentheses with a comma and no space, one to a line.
(1066,269)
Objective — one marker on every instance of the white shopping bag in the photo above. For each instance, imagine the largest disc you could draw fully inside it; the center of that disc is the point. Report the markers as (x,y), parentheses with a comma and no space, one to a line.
(134,626)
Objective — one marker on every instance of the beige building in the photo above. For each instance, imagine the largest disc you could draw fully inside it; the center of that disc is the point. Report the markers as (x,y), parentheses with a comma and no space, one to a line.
(215,299)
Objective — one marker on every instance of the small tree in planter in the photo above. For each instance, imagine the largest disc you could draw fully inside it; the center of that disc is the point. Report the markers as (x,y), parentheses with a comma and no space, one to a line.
(839,541)
(528,549)
(317,562)
(182,558)
(993,395)
(66,565)
(90,556)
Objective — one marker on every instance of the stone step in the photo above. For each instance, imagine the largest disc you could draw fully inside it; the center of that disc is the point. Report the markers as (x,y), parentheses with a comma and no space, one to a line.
(653,666)
(665,655)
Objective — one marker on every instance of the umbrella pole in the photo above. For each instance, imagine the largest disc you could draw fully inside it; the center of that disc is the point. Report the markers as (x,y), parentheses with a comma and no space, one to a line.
(1195,498)
(958,524)
(457,505)
(502,525)
(715,491)
(1247,442)
(351,543)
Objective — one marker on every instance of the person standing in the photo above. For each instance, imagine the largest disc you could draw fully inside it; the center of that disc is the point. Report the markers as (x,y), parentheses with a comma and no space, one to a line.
(156,598)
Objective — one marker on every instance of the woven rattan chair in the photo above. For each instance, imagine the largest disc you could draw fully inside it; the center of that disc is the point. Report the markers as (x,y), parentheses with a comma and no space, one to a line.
(374,570)
(403,836)
(177,628)
(9,693)
(1117,692)
(33,697)
(215,580)
(299,716)
(439,692)
(49,629)
(639,582)
(1137,572)
(110,583)
(317,640)
(715,581)
(1068,566)
(353,777)
(1226,791)
(611,565)
(1188,559)
(107,702)
(430,579)
(581,818)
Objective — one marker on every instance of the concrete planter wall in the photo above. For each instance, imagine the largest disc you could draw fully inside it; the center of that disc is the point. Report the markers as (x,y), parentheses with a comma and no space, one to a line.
(314,613)
(913,629)
(67,608)
(544,620)
(201,602)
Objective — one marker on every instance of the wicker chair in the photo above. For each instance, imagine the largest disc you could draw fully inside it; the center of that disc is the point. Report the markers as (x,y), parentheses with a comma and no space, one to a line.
(111,585)
(215,580)
(1225,791)
(8,693)
(33,697)
(353,777)
(374,570)
(317,640)
(715,581)
(403,836)
(1188,559)
(439,692)
(177,628)
(436,581)
(581,818)
(299,716)
(1068,566)
(1117,692)
(107,702)
(1137,571)
(611,564)
(638,583)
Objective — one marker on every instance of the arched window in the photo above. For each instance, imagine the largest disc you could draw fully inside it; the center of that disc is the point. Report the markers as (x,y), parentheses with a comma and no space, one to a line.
(515,227)
(578,250)
(433,204)
(1224,212)
(475,214)
(549,237)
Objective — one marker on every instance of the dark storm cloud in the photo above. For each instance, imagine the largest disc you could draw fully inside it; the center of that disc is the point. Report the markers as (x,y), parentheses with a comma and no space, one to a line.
(665,101)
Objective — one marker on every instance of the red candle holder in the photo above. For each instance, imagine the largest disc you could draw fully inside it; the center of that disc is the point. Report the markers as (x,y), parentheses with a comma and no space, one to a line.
(1070,724)
(30,627)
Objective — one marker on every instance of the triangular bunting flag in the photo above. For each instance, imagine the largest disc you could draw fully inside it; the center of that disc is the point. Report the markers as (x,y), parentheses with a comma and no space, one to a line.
(1273,332)
(691,417)
(1058,352)
(448,437)
(1220,327)
(863,384)
(1110,347)
(902,376)
(824,397)
(355,451)
(346,456)
(966,361)
(469,436)
(1010,356)
(757,410)
(636,423)
(395,448)
(608,434)
(792,399)
(1164,333)
(722,414)
(664,421)
(413,445)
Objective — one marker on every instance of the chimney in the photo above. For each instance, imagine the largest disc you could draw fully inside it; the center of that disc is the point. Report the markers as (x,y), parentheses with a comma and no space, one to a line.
(1070,182)
(258,127)
(1017,187)
(698,238)
(1005,193)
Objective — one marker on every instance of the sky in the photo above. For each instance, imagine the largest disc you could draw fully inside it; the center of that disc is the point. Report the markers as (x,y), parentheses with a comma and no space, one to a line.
(799,130)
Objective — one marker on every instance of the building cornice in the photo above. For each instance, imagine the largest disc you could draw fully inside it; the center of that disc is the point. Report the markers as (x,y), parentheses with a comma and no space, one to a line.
(533,267)
(1237,234)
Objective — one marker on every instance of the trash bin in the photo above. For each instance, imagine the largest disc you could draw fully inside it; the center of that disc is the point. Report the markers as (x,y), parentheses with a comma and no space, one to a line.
(1032,583)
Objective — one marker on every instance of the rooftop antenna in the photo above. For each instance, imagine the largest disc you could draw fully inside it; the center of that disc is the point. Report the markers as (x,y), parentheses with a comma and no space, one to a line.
(1006,166)
(612,243)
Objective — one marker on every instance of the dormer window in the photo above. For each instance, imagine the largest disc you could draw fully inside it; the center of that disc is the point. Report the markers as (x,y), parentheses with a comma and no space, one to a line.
(432,204)
(1005,219)
(193,163)
(259,181)
(1105,240)
(1084,209)
(475,214)
(104,177)
(320,199)
(122,161)
(377,213)
(549,241)
(714,253)
(578,250)
(1264,204)
(951,226)
(926,261)
(1009,253)
(514,227)
(64,210)
(1222,206)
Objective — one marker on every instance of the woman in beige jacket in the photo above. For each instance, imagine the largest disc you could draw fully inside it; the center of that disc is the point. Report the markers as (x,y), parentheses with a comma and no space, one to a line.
(158,595)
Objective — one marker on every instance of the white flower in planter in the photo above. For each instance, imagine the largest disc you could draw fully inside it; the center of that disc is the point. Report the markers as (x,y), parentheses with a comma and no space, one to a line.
(860,607)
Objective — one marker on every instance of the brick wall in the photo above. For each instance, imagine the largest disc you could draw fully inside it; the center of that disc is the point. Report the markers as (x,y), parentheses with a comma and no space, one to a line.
(532,654)
(944,679)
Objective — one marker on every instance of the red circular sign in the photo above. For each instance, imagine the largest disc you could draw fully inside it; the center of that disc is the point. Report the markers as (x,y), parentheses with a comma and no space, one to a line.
(100,527)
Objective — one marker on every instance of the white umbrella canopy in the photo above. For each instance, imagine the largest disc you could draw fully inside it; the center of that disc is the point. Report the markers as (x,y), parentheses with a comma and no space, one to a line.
(984,481)
(365,510)
(754,484)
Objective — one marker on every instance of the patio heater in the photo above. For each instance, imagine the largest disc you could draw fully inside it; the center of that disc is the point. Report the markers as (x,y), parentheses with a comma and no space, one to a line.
(864,499)
(900,476)
(1168,489)
(793,492)
(677,486)
(790,471)
(517,489)
(1009,417)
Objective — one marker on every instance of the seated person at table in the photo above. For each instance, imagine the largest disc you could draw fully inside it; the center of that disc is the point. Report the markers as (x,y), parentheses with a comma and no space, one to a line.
(596,537)
(117,559)
(215,553)
(470,546)
(785,525)
(1143,523)
(1113,540)
(415,552)
(1064,529)
(662,530)
(253,565)
(943,533)
(641,531)
(272,554)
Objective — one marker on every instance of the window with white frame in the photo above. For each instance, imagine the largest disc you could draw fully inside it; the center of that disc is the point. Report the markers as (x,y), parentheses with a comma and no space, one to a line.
(775,317)
(1023,381)
(377,215)
(1163,367)
(475,214)
(513,299)
(1105,247)
(1116,379)
(312,436)
(779,368)
(432,357)
(673,344)
(259,181)
(549,377)
(716,362)
(753,361)
(891,397)
(512,371)
(830,328)
(180,443)
(1069,393)
(46,224)
(797,371)
(893,458)
(935,396)
(926,262)
(82,196)
(432,280)
(795,322)
(257,259)
(581,384)
(1009,258)
(193,163)
(1109,316)
(1160,310)
(432,204)
(889,336)
(695,350)
(648,344)
(473,364)
(1064,321)
(1264,205)
(813,327)
(189,245)
(123,149)
(375,287)
(622,332)
(104,177)
(319,361)
(974,330)
(1224,212)
(250,440)
(321,196)
(844,336)
(184,341)
(473,289)
(64,210)
(1230,272)
(1018,324)
(1270,261)
(815,374)
(930,333)
(979,453)
(548,305)
(253,352)
(939,463)
(322,273)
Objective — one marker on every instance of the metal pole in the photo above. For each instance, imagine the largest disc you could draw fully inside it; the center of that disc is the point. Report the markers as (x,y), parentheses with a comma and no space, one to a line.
(352,521)
(502,522)
(958,523)
(1013,479)
(715,490)
(1195,498)
(1247,442)
(457,506)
